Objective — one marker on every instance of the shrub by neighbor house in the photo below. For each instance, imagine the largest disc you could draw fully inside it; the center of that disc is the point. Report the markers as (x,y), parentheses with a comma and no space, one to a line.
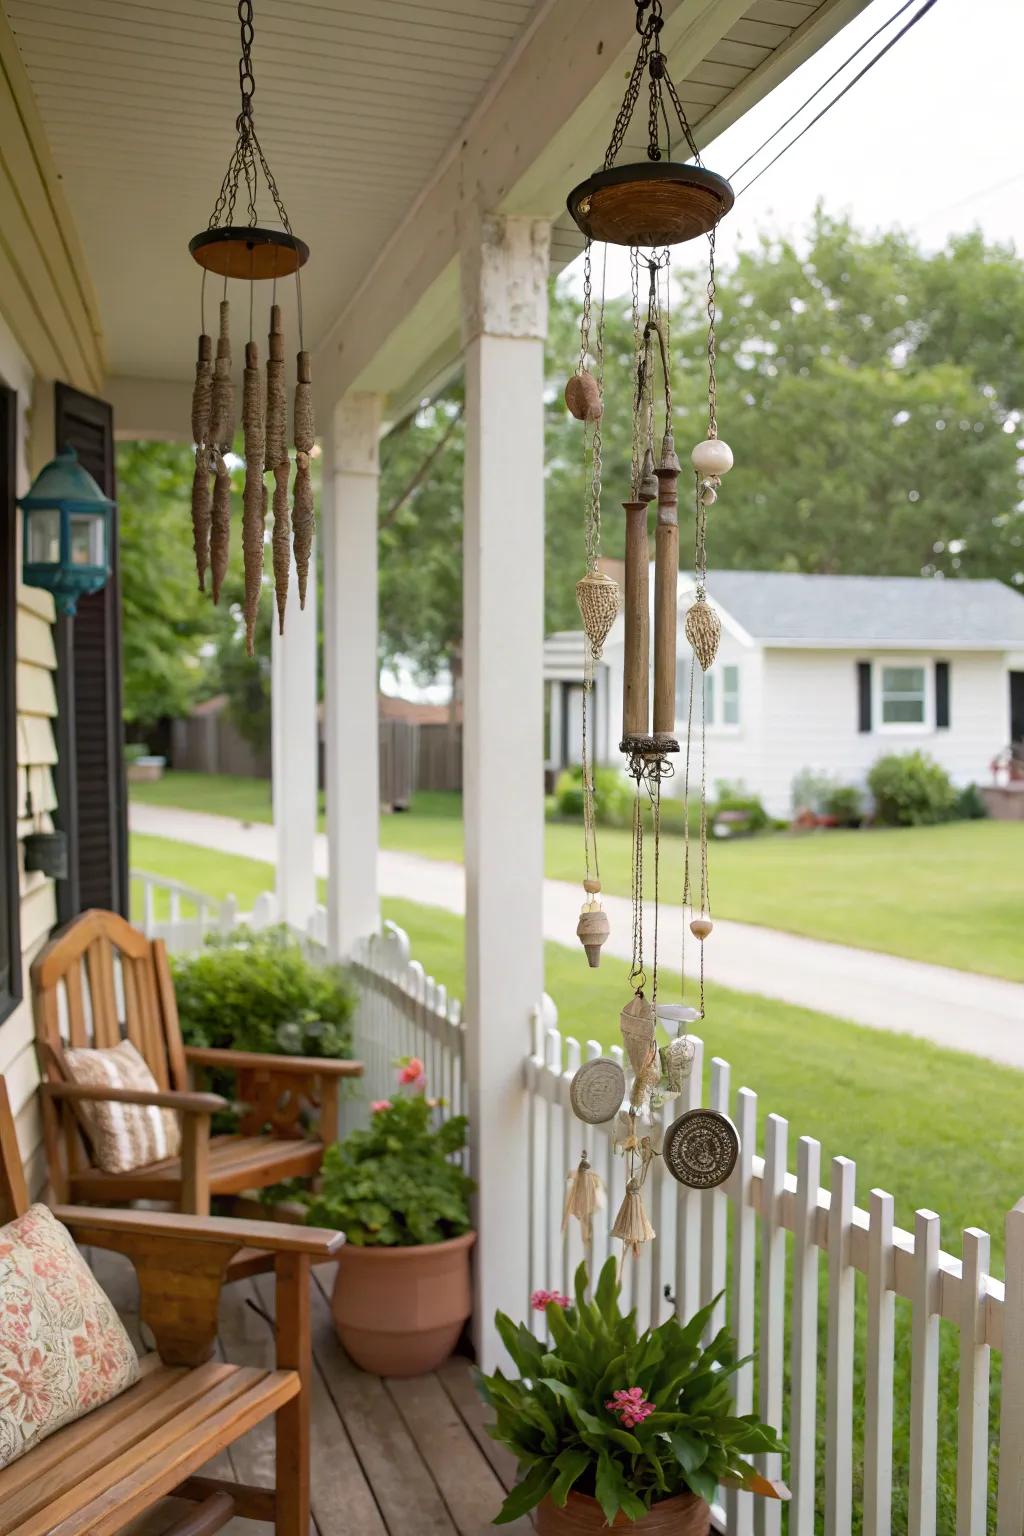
(910,789)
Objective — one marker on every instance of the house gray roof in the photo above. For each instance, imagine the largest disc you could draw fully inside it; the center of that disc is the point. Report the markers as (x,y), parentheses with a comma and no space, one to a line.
(784,608)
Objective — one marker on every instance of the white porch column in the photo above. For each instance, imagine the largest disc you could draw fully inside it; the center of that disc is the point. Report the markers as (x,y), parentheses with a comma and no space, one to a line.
(504,286)
(349,537)
(294,750)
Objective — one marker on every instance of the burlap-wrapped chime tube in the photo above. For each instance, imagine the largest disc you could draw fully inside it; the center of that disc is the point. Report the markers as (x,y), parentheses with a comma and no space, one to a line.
(276,458)
(666,573)
(202,394)
(302,510)
(220,526)
(222,435)
(253,501)
(637,640)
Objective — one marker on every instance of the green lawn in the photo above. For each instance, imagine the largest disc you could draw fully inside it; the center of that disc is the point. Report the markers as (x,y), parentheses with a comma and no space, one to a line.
(937,1129)
(952,894)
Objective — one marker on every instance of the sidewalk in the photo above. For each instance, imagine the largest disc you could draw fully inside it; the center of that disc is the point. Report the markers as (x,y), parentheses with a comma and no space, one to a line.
(981,1014)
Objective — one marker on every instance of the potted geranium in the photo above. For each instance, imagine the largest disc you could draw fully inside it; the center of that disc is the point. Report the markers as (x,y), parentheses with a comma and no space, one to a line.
(612,1426)
(402,1292)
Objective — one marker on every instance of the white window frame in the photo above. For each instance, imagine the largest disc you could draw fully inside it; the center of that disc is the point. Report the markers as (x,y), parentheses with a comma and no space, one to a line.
(714,696)
(882,727)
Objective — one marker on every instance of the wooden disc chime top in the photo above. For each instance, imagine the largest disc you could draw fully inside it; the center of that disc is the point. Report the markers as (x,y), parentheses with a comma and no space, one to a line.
(251,254)
(654,205)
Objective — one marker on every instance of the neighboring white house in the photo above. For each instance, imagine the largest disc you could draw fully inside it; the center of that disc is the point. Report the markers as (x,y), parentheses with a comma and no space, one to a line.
(825,673)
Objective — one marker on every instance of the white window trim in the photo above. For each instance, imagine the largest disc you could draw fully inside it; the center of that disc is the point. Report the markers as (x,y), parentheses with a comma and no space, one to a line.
(716,726)
(925,727)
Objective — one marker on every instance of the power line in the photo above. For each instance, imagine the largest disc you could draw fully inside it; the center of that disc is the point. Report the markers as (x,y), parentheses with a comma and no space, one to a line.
(918,15)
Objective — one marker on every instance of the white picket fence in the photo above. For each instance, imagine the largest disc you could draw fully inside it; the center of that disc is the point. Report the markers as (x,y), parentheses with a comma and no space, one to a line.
(745,1240)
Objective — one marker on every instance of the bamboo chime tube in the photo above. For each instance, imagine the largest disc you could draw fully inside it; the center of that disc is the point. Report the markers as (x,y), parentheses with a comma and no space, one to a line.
(302,510)
(222,434)
(637,639)
(276,458)
(666,572)
(253,498)
(202,399)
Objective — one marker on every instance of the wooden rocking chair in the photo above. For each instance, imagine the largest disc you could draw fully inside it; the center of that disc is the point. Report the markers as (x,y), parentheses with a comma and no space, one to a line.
(78,1002)
(102,1472)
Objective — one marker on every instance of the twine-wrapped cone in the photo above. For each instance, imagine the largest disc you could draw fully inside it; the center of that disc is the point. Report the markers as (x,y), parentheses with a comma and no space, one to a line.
(703,629)
(275,458)
(222,400)
(302,512)
(636,1022)
(253,500)
(598,598)
(584,1195)
(202,395)
(632,1224)
(592,930)
(220,527)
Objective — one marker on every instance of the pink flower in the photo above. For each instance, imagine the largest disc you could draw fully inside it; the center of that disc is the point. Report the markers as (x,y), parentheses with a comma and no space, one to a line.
(630,1406)
(379,1105)
(413,1074)
(541,1299)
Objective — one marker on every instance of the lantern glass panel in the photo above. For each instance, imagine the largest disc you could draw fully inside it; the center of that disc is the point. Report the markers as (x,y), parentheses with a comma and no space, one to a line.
(86,541)
(44,537)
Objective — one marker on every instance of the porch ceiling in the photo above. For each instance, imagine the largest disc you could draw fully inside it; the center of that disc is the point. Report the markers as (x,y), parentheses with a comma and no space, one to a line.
(367,113)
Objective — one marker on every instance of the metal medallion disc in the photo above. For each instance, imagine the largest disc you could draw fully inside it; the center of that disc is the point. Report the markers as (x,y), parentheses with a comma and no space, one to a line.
(597,1090)
(701,1148)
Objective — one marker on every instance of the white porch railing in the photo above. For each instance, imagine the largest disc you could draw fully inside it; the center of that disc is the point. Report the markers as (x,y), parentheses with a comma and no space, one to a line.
(769,1240)
(183,917)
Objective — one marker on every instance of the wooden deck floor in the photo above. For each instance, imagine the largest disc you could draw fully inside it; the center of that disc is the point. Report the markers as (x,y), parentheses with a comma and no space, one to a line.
(389,1458)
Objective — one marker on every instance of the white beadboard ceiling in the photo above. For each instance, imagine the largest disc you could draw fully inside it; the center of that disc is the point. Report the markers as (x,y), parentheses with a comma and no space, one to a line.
(356,106)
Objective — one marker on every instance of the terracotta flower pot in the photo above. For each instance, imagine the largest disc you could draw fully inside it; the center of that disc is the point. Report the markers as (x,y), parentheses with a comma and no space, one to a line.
(685,1515)
(399,1311)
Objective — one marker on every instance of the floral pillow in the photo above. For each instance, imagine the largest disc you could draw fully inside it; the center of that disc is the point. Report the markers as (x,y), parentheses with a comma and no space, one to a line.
(123,1136)
(63,1350)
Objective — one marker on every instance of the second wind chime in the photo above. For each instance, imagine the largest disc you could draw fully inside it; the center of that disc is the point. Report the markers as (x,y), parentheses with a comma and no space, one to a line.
(251,253)
(648,206)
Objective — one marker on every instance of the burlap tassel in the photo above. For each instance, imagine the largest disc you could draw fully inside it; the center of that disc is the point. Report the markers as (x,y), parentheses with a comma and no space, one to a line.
(253,500)
(220,527)
(632,1224)
(583,1196)
(276,457)
(222,404)
(202,392)
(302,511)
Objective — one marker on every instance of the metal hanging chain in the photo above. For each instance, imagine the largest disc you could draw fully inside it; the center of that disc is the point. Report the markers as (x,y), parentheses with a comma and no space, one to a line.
(650,58)
(247,158)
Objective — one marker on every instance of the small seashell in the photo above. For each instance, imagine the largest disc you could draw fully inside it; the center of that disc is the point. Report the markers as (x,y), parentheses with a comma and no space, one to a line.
(598,598)
(583,397)
(676,1013)
(703,629)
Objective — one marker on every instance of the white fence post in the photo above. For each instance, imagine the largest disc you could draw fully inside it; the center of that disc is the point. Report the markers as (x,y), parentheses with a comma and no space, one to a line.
(1011,1417)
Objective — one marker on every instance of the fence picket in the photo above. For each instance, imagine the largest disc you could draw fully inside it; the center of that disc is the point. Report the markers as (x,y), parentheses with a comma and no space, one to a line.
(879,1368)
(972,1409)
(714,1216)
(688,1214)
(772,1337)
(739,1507)
(804,1340)
(839,1368)
(1010,1518)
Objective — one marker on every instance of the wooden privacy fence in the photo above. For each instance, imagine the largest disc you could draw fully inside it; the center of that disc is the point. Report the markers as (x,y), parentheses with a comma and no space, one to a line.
(736,1240)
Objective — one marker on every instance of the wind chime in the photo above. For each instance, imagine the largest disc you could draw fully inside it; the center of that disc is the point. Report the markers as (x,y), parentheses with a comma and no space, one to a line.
(649,207)
(250,253)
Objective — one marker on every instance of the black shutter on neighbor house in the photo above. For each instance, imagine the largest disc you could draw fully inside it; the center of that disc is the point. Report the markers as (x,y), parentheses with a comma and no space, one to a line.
(91,779)
(863,695)
(10,946)
(942,695)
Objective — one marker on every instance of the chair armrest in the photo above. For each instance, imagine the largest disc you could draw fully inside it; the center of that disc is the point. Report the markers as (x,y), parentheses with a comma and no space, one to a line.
(187,1103)
(274,1236)
(249,1061)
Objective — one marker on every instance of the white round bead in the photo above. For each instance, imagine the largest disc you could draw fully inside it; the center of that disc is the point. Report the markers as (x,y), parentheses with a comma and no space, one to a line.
(712,457)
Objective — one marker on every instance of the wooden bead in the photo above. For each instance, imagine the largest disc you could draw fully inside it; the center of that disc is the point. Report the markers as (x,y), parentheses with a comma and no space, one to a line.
(592,886)
(712,457)
(592,930)
(583,397)
(700,927)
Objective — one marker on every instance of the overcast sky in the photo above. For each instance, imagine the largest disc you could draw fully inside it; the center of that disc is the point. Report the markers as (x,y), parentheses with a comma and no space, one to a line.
(931,140)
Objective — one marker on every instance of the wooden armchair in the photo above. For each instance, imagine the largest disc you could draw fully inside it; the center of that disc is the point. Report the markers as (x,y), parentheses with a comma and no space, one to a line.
(100,980)
(96,1475)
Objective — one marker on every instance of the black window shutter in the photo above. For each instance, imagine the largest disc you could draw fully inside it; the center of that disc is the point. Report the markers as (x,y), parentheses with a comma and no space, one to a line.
(942,695)
(10,945)
(863,695)
(91,730)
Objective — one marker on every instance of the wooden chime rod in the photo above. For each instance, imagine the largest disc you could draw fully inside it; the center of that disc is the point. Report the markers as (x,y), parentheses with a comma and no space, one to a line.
(637,638)
(666,573)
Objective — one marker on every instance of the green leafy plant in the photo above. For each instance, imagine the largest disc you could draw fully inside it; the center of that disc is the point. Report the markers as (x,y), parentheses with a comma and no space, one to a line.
(970,804)
(394,1184)
(262,991)
(844,804)
(911,790)
(613,796)
(744,811)
(628,1417)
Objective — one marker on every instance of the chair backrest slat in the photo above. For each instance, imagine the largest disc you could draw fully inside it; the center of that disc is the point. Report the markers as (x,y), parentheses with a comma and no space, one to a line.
(13,1190)
(78,1033)
(106,1027)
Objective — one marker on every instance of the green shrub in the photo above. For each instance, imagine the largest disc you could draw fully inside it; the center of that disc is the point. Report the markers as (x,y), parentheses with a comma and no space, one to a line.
(844,804)
(628,1418)
(613,796)
(970,805)
(910,789)
(810,790)
(252,991)
(735,799)
(134,750)
(393,1185)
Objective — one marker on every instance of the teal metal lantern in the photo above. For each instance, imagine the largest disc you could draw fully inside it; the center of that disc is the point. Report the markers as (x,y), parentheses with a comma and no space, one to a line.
(67,532)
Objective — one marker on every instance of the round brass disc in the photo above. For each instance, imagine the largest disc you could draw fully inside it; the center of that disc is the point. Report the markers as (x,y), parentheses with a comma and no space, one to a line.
(654,202)
(249,252)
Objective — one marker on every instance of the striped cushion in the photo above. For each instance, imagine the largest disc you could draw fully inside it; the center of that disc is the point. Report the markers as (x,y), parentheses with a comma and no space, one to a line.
(123,1136)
